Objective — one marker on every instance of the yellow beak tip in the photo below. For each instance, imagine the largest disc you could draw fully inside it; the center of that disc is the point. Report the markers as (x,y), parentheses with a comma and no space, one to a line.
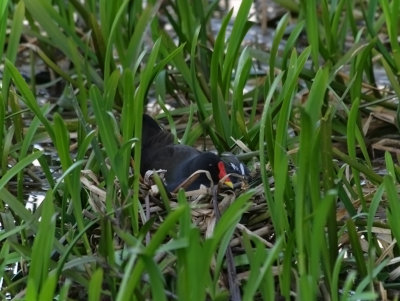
(229,184)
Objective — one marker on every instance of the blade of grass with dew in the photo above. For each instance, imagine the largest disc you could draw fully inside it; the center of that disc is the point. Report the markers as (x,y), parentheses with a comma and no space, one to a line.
(41,250)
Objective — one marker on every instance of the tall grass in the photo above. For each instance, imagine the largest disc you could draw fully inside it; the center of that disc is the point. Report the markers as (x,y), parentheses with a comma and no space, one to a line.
(101,234)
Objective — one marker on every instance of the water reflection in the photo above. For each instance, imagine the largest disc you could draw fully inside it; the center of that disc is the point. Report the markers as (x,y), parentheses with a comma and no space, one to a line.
(34,200)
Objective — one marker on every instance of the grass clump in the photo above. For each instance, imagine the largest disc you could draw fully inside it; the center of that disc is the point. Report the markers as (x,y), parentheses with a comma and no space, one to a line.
(308,115)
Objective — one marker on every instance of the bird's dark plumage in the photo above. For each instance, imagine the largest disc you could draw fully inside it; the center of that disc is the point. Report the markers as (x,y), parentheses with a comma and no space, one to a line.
(180,161)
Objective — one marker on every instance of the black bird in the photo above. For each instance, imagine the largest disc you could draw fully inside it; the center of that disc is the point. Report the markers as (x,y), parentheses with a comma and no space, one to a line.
(181,161)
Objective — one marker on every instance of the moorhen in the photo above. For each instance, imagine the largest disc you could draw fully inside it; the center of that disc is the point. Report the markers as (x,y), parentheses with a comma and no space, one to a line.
(181,161)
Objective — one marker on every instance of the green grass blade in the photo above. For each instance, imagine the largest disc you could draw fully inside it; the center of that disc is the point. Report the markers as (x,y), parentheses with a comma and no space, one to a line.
(29,98)
(18,167)
(95,285)
(131,279)
(356,248)
(257,275)
(41,250)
